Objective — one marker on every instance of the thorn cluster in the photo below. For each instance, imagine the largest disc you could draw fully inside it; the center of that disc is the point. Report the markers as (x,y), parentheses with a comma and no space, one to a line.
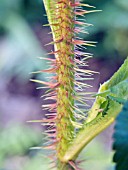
(67,86)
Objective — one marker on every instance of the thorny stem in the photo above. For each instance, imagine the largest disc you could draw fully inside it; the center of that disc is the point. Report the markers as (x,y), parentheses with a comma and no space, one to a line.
(63,113)
(60,16)
(67,65)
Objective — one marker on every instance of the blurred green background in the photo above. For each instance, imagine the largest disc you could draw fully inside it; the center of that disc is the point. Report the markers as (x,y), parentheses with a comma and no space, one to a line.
(22,40)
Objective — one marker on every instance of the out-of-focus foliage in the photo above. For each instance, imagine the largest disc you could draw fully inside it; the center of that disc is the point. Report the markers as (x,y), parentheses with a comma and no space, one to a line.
(110,28)
(16,141)
(96,156)
(121,139)
(19,49)
(30,10)
(19,45)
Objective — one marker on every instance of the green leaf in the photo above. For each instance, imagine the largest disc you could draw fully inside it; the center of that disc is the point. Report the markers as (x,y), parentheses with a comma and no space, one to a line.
(121,140)
(19,139)
(120,75)
(103,112)
(120,90)
(117,99)
(116,85)
(19,41)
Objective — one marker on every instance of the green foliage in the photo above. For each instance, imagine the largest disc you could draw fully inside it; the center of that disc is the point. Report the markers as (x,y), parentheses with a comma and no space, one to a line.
(37,162)
(19,38)
(18,42)
(30,10)
(96,155)
(16,148)
(116,86)
(121,139)
(17,140)
(110,28)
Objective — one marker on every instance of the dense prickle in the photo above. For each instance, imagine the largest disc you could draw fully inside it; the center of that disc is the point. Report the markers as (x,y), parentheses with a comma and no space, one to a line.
(67,89)
(64,34)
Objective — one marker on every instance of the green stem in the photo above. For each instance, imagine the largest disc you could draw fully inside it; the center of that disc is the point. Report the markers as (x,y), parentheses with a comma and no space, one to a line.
(89,131)
(61,20)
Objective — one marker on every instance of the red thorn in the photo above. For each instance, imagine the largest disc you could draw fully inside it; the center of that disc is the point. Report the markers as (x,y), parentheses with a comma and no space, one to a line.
(60,40)
(80,161)
(54,77)
(50,93)
(50,85)
(75,4)
(50,114)
(51,98)
(49,59)
(52,146)
(51,106)
(78,42)
(54,52)
(50,70)
(48,120)
(78,23)
(52,135)
(71,61)
(74,165)
(50,130)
